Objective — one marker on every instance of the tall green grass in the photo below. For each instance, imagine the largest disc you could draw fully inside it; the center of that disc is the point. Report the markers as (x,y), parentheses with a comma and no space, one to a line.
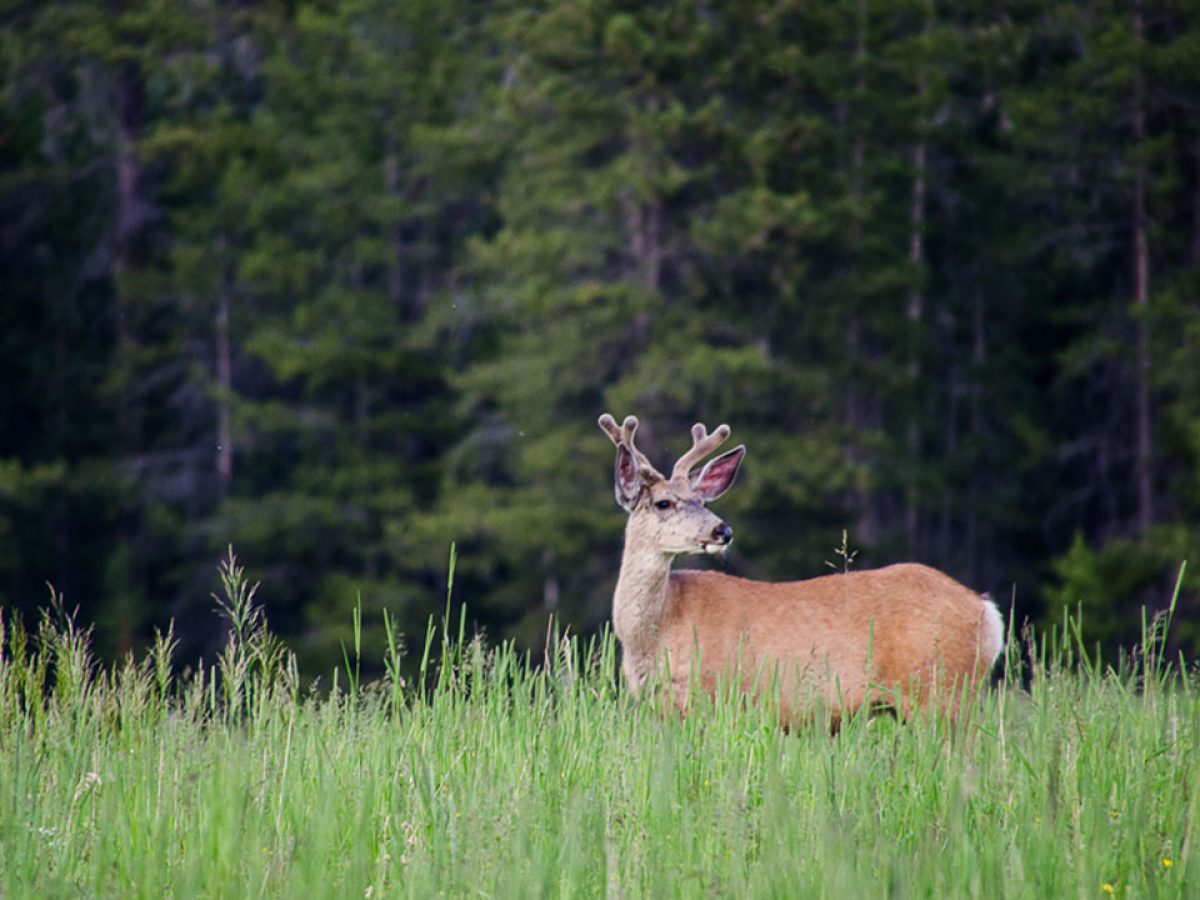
(491,777)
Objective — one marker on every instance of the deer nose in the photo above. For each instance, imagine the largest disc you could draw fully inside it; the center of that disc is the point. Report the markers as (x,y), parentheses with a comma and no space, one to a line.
(722,533)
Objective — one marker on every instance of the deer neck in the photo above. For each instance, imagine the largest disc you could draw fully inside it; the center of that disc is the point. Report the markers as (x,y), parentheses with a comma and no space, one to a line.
(640,600)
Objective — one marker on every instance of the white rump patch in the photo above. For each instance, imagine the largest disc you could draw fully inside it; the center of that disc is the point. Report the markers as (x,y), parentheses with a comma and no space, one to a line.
(991,631)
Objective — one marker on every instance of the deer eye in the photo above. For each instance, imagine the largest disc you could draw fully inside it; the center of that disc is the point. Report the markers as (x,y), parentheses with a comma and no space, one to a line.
(663,504)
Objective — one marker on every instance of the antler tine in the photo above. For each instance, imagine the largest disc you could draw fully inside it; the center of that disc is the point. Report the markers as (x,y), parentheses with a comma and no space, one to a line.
(611,428)
(623,434)
(703,444)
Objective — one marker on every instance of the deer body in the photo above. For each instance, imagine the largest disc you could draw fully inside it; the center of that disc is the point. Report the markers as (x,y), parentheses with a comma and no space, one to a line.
(905,636)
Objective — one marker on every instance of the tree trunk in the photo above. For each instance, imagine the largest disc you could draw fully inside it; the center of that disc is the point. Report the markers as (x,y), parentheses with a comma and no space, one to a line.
(1196,210)
(916,298)
(1141,263)
(978,358)
(644,220)
(652,267)
(858,417)
(362,381)
(550,586)
(224,380)
(643,223)
(398,274)
(947,546)
(131,223)
(915,313)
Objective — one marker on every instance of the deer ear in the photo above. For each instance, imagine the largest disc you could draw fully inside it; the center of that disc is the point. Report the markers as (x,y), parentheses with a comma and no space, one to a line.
(627,481)
(717,475)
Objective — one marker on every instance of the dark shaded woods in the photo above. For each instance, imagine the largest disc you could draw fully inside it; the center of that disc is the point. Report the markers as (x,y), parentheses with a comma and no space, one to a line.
(342,282)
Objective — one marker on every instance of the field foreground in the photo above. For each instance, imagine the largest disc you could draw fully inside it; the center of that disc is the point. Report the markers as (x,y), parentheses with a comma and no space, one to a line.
(498,779)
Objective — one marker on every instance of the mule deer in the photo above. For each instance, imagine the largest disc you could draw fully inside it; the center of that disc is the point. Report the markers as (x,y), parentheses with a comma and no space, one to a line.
(906,636)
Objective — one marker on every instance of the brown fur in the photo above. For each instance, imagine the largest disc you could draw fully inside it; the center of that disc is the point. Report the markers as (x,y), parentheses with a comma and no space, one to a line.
(906,636)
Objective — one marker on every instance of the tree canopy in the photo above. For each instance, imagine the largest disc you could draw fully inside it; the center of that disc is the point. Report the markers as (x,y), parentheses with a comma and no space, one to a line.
(343,282)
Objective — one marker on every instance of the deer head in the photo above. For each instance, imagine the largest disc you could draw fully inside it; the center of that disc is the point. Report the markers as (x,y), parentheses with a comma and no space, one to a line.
(669,514)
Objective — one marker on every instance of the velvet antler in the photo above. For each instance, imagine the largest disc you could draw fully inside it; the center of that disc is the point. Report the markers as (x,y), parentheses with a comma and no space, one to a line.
(624,434)
(703,444)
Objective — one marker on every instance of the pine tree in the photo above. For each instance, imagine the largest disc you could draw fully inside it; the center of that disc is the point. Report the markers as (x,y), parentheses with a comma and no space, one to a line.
(1098,119)
(88,68)
(340,218)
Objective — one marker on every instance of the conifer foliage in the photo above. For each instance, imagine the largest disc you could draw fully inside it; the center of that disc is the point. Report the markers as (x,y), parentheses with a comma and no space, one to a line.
(344,282)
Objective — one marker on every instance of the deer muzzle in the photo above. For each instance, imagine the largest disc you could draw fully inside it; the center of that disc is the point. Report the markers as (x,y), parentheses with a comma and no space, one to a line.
(721,537)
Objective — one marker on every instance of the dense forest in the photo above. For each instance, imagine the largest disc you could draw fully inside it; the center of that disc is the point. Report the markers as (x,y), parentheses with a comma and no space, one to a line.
(342,282)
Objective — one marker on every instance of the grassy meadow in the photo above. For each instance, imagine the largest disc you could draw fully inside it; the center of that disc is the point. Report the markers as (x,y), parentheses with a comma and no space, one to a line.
(489,777)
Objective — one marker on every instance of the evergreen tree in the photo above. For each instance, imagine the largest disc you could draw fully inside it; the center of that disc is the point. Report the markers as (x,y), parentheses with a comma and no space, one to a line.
(347,221)
(98,77)
(343,282)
